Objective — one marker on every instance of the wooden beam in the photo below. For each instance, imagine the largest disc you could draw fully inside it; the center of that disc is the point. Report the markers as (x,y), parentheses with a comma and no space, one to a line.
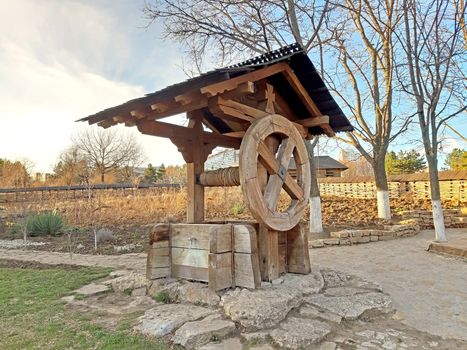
(301,91)
(168,109)
(232,84)
(177,132)
(159,107)
(238,134)
(315,121)
(224,109)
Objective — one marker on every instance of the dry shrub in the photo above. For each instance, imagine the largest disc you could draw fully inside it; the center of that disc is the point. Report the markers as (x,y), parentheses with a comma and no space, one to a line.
(107,209)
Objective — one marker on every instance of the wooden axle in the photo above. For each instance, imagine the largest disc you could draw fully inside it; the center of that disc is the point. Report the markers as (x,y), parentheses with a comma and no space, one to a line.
(220,177)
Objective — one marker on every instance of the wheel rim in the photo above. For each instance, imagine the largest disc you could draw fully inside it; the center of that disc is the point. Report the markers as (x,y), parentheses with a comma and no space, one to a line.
(255,153)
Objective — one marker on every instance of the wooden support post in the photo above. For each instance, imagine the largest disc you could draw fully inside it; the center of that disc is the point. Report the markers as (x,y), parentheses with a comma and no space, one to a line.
(195,205)
(268,240)
(158,260)
(298,258)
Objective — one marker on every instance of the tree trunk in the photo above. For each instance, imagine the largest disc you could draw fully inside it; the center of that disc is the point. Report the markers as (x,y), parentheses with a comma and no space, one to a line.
(102,177)
(382,193)
(316,220)
(438,217)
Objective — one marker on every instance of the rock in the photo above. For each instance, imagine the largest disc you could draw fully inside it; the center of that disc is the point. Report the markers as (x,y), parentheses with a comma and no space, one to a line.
(340,279)
(306,284)
(277,281)
(168,286)
(351,307)
(92,289)
(68,298)
(227,344)
(104,235)
(166,318)
(261,308)
(334,278)
(261,336)
(138,292)
(343,291)
(80,246)
(119,273)
(262,347)
(313,312)
(129,281)
(197,293)
(296,333)
(192,335)
(328,345)
(124,248)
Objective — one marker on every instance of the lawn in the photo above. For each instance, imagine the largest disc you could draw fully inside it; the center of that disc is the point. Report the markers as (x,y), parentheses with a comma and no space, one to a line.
(32,316)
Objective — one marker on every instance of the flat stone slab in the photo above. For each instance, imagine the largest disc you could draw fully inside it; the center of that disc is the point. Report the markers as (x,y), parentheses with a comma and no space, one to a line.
(227,344)
(297,333)
(192,335)
(92,289)
(311,311)
(164,319)
(261,308)
(455,247)
(350,307)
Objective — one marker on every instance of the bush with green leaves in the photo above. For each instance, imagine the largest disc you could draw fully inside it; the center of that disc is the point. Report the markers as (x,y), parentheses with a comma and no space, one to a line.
(47,223)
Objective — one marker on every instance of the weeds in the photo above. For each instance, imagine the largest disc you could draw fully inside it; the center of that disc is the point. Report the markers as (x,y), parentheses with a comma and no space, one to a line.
(163,297)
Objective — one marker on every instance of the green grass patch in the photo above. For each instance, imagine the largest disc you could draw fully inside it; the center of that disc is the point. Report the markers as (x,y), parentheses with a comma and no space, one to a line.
(32,316)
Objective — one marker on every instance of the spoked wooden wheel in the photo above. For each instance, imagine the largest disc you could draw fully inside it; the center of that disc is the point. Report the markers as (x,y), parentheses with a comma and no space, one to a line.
(269,143)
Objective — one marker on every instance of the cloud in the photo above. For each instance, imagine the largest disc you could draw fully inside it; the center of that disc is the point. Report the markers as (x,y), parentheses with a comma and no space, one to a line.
(60,62)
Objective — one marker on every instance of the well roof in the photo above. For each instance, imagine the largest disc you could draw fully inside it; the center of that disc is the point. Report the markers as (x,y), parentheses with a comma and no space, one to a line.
(296,58)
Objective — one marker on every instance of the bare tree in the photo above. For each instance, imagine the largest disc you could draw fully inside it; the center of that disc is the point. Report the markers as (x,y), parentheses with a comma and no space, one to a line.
(363,44)
(224,30)
(434,77)
(71,165)
(106,150)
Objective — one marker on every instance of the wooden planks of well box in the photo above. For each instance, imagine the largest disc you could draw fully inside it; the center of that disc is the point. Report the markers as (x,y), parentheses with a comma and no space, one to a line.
(224,255)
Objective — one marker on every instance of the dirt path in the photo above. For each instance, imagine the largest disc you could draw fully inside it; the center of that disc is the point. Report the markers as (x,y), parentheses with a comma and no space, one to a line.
(429,290)
(131,261)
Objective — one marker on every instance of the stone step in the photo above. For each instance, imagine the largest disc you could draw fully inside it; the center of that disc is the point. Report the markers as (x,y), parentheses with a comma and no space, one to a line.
(460,219)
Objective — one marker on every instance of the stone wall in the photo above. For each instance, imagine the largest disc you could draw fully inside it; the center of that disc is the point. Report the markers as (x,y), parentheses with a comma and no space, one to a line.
(453,185)
(453,218)
(349,237)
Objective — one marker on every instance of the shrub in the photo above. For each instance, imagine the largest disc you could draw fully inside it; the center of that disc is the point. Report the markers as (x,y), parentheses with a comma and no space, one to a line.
(162,297)
(48,223)
(237,208)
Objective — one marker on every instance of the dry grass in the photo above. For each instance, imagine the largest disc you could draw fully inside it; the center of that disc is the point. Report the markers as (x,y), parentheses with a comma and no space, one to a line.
(222,204)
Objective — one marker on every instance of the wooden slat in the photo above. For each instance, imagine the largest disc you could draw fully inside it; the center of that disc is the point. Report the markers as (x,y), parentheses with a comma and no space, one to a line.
(231,84)
(198,236)
(301,92)
(190,257)
(220,271)
(247,273)
(315,121)
(171,131)
(298,259)
(245,240)
(190,272)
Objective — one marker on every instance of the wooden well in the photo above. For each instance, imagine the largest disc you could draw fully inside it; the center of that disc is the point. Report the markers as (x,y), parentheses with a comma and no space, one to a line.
(266,107)
(223,255)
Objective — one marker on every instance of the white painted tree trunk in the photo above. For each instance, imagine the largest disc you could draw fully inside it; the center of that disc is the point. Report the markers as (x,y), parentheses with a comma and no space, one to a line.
(384,209)
(438,221)
(316,220)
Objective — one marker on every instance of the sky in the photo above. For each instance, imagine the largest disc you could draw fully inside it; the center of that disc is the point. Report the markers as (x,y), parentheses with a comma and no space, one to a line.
(62,60)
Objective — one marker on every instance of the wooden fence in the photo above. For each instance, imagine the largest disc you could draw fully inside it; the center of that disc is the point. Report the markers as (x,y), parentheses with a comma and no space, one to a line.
(453,185)
(36,194)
